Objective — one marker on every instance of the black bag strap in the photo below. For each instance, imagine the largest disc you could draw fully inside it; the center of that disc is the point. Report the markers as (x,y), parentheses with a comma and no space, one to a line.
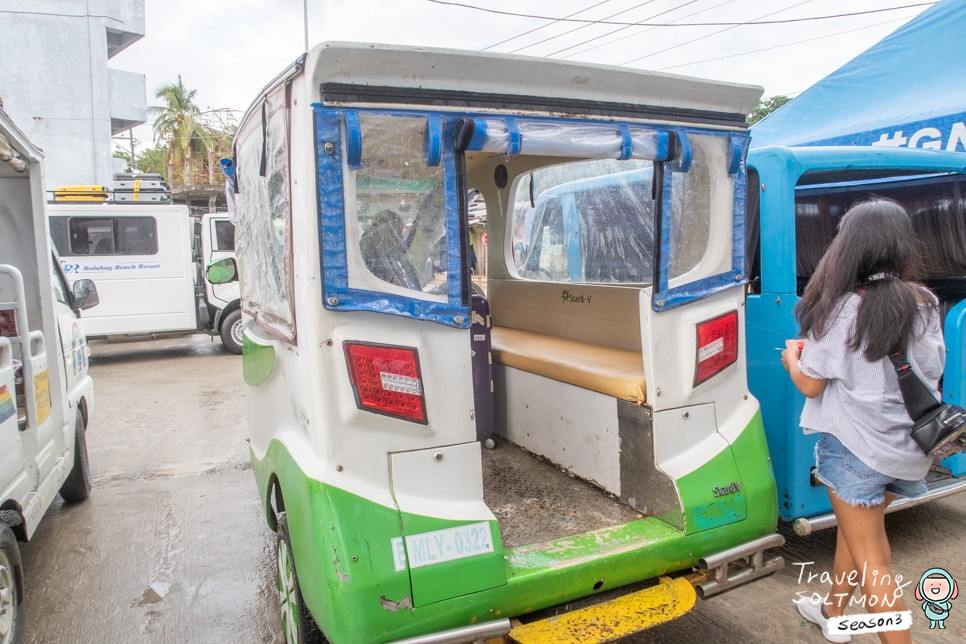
(919,400)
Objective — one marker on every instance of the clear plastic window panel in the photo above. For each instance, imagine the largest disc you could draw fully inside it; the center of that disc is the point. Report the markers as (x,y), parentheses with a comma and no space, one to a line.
(702,213)
(585,221)
(262,210)
(396,214)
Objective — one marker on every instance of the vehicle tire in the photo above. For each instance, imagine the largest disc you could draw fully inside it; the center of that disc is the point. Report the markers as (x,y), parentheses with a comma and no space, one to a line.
(232,331)
(77,486)
(298,627)
(11,600)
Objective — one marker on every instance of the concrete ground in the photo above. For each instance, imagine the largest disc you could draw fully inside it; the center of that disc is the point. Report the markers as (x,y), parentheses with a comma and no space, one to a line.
(171,546)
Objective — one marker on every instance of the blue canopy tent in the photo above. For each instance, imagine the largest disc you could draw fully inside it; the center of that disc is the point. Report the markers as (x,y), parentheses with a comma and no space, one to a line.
(905,91)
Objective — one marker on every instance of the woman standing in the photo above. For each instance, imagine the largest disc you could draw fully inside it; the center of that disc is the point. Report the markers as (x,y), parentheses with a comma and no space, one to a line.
(858,308)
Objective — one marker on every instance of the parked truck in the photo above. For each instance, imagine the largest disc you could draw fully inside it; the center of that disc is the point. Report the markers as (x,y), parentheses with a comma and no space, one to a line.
(148,259)
(46,393)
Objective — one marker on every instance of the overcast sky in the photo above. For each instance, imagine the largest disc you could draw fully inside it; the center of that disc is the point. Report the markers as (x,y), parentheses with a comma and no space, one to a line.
(228,50)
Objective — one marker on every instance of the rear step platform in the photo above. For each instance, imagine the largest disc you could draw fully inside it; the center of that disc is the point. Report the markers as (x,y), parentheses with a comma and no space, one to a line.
(535,501)
(610,620)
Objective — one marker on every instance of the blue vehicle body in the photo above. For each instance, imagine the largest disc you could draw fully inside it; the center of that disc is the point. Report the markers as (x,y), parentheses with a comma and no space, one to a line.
(776,175)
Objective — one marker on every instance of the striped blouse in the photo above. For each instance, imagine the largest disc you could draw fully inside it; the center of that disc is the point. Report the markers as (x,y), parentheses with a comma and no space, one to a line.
(861,404)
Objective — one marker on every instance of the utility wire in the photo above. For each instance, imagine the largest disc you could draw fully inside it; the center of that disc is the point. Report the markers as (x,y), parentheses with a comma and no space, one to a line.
(679,24)
(559,51)
(601,21)
(713,33)
(638,33)
(525,33)
(787,44)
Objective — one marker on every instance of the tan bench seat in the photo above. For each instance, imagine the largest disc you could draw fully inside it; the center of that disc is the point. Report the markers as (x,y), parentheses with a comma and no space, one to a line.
(614,372)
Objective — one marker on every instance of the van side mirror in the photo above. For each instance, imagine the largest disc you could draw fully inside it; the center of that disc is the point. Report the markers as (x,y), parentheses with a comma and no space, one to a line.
(85,294)
(222,271)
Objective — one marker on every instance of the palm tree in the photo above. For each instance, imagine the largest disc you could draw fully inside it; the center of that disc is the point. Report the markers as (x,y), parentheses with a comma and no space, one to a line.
(177,126)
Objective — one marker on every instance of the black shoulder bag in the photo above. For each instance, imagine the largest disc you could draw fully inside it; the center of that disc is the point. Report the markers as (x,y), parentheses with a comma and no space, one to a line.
(939,429)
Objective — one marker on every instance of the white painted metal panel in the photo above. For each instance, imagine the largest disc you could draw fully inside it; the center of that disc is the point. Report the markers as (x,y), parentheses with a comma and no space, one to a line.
(429,68)
(573,427)
(443,482)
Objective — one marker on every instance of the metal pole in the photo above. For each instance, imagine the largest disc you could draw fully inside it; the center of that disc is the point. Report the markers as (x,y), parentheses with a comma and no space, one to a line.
(305,21)
(134,162)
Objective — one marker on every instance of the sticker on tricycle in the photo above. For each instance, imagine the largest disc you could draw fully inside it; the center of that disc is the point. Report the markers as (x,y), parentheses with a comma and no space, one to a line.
(438,546)
(7,408)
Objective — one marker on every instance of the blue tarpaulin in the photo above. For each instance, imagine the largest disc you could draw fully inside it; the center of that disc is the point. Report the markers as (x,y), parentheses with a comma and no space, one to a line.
(908,90)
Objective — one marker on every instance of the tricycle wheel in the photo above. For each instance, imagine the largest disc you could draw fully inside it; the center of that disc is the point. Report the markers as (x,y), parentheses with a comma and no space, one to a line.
(297,624)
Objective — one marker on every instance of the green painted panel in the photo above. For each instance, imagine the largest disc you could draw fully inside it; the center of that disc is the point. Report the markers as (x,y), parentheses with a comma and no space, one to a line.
(434,553)
(258,361)
(343,548)
(712,495)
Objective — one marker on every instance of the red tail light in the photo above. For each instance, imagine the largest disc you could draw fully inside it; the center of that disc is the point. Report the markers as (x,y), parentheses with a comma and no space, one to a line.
(717,346)
(386,380)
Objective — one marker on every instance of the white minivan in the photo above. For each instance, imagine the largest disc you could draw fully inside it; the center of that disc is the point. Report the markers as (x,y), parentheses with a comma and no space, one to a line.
(148,261)
(46,393)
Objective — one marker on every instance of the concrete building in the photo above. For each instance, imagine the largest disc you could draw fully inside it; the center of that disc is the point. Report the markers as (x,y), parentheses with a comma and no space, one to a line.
(56,84)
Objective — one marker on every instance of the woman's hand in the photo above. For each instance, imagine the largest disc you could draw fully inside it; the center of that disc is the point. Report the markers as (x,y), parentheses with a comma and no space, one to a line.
(790,357)
(792,352)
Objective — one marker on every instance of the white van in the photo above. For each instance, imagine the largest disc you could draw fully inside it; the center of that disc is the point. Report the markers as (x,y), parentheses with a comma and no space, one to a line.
(147,259)
(46,394)
(628,448)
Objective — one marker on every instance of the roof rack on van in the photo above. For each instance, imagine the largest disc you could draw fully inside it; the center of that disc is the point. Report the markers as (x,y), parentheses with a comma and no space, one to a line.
(127,188)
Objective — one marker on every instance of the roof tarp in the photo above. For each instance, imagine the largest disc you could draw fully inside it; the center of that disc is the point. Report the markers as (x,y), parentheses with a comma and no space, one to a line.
(908,90)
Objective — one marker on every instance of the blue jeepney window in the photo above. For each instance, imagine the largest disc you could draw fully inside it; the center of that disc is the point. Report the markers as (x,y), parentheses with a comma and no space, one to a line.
(591,221)
(390,214)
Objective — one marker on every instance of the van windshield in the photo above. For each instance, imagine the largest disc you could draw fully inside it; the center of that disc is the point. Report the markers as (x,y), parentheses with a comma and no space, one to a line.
(585,221)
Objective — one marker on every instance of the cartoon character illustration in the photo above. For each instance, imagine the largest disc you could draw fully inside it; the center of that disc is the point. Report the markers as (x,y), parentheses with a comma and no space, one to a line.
(936,588)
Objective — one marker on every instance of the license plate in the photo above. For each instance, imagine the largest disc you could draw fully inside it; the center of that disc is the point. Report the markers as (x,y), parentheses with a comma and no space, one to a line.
(435,547)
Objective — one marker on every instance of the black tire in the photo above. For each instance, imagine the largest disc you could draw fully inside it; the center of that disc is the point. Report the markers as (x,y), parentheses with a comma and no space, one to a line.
(11,588)
(77,486)
(298,627)
(231,332)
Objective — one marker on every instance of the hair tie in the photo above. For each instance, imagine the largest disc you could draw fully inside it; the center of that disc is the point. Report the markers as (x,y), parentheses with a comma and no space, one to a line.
(881,276)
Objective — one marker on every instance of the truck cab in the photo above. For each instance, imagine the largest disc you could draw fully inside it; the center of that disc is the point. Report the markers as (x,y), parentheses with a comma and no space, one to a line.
(46,392)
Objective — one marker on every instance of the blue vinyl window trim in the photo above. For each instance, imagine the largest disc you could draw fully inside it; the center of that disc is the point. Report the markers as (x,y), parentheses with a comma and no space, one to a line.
(337,295)
(668,298)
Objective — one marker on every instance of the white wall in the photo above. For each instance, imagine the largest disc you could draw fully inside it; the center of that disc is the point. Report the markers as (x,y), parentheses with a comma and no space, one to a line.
(56,84)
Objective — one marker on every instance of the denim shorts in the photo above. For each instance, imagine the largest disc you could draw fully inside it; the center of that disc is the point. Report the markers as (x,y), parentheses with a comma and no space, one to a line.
(852,480)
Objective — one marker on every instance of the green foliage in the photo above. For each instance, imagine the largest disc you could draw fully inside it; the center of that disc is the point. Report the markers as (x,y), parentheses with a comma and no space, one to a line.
(766,106)
(152,161)
(176,126)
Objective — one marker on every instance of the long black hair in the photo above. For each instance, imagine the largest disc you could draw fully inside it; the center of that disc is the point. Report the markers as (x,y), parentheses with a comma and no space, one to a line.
(875,240)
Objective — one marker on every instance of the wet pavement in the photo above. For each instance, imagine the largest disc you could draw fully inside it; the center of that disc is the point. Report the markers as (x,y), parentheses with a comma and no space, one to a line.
(171,546)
